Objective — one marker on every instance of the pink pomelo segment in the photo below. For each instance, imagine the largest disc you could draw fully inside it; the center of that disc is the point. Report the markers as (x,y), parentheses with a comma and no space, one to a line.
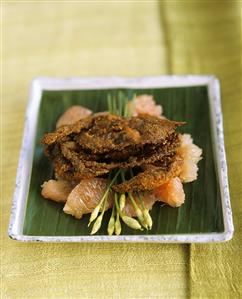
(56,190)
(144,104)
(171,193)
(86,196)
(191,155)
(72,115)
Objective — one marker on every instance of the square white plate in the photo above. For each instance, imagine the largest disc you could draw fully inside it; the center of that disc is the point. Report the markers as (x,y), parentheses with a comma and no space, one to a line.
(27,152)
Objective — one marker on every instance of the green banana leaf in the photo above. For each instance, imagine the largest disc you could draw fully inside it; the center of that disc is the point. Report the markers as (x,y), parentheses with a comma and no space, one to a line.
(201,212)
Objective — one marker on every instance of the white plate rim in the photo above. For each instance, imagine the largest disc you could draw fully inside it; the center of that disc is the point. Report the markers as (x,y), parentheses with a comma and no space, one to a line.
(39,84)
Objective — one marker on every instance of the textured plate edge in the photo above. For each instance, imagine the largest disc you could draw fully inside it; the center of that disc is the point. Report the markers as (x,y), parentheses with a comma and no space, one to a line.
(183,238)
(50,83)
(25,161)
(26,154)
(215,101)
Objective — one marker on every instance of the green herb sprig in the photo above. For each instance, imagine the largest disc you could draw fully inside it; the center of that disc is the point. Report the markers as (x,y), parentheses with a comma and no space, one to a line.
(102,204)
(119,106)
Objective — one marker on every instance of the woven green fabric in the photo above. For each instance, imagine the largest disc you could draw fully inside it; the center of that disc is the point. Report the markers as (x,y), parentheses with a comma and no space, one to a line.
(205,38)
(128,38)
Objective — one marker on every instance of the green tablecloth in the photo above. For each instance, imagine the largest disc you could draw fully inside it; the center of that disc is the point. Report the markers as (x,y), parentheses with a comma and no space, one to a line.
(127,38)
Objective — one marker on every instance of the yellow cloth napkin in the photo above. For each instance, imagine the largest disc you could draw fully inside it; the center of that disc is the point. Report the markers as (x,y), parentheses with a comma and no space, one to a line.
(129,38)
